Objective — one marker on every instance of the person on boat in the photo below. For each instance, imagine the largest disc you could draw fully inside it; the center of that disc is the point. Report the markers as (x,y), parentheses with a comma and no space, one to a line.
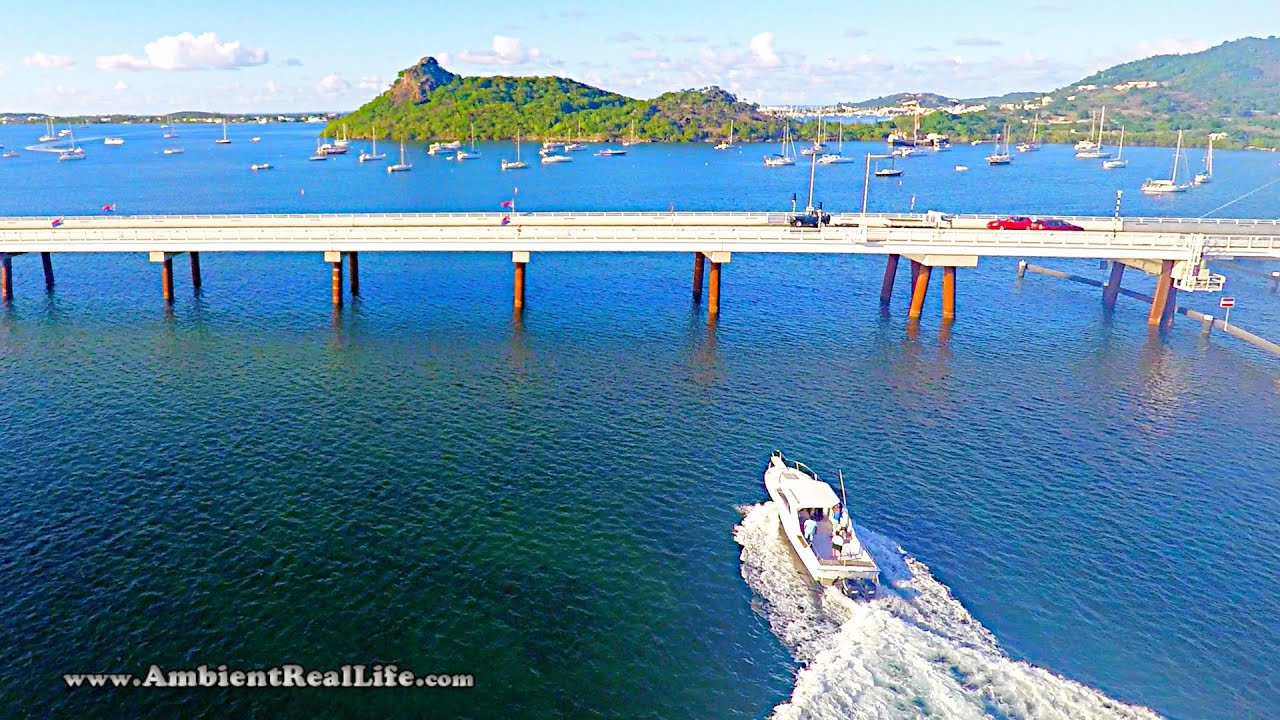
(810,528)
(837,542)
(837,515)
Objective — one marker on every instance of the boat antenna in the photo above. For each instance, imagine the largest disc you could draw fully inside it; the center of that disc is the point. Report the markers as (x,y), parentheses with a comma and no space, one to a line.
(844,499)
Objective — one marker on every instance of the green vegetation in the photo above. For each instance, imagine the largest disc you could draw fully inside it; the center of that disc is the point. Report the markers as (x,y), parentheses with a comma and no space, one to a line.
(429,102)
(1228,89)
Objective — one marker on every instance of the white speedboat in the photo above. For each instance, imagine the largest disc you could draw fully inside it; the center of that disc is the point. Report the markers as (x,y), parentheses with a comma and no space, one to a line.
(610,152)
(553,159)
(467,155)
(799,496)
(173,151)
(10,154)
(835,159)
(436,148)
(113,141)
(260,166)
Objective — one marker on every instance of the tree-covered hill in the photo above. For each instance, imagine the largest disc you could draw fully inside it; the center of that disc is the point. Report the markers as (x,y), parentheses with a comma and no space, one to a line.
(428,102)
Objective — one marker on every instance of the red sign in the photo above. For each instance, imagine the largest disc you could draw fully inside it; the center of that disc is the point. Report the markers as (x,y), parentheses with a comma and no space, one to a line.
(1227,303)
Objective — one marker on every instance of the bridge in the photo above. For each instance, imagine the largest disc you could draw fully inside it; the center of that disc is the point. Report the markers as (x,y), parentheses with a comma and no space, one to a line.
(1176,250)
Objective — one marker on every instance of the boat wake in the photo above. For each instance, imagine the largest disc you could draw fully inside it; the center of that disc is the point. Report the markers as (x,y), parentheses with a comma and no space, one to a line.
(913,652)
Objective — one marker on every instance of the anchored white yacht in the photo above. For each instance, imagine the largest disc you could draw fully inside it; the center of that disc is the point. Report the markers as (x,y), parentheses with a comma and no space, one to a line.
(833,555)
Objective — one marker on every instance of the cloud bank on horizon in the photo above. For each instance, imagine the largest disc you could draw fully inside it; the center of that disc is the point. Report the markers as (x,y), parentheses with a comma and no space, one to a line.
(744,50)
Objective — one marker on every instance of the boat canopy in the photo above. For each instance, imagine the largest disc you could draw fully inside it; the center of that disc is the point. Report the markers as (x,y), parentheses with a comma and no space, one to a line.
(806,492)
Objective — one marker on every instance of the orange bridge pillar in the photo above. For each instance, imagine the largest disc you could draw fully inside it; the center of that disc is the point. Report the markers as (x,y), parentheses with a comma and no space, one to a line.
(521,259)
(353,263)
(717,258)
(1111,290)
(1161,297)
(165,259)
(886,285)
(334,258)
(948,294)
(46,259)
(196,280)
(699,263)
(6,277)
(919,287)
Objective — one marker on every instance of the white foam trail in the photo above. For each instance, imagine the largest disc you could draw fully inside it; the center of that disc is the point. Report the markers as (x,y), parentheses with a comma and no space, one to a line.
(913,652)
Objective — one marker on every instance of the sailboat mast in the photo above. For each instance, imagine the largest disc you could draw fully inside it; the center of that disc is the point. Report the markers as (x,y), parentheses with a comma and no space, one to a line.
(1101,124)
(1173,176)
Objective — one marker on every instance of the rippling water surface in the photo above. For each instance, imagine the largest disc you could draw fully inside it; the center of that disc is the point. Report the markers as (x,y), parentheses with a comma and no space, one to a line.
(1080,516)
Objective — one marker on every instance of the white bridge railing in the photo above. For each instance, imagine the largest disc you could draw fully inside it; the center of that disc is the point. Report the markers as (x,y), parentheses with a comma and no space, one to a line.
(608,232)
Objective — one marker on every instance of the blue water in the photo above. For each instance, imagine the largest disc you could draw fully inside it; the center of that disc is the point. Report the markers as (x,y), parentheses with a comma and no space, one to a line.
(556,504)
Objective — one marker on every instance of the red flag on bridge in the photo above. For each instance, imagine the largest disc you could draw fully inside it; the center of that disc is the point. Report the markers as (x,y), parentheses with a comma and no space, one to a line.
(508,203)
(109,208)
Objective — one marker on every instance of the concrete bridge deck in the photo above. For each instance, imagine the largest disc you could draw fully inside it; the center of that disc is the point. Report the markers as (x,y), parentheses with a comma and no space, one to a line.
(881,234)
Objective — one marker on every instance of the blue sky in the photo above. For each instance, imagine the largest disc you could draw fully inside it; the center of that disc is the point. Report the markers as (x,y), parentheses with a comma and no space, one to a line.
(239,55)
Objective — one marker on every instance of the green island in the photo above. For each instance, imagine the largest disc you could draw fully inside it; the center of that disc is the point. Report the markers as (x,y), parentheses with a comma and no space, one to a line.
(1228,90)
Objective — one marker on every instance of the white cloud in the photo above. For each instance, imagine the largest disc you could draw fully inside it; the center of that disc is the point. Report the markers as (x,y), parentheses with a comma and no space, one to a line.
(505,51)
(371,83)
(333,84)
(1171,45)
(761,47)
(186,51)
(273,87)
(120,86)
(45,61)
(646,55)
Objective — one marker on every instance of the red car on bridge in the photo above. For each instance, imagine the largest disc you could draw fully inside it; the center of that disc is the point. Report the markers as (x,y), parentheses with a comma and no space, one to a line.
(1013,222)
(1054,224)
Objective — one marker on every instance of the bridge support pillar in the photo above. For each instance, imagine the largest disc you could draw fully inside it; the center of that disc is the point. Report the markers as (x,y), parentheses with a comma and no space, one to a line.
(1161,308)
(353,270)
(886,285)
(196,280)
(334,258)
(699,265)
(1111,290)
(717,258)
(948,294)
(46,259)
(919,288)
(520,259)
(165,259)
(6,278)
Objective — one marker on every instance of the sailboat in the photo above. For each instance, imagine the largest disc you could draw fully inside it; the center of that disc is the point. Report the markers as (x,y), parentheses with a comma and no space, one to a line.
(819,144)
(1204,177)
(1096,152)
(1087,145)
(224,140)
(837,158)
(1118,161)
(516,164)
(573,146)
(473,153)
(1000,157)
(49,134)
(373,154)
(1159,187)
(74,152)
(784,158)
(170,132)
(727,144)
(344,140)
(633,140)
(401,166)
(1033,145)
(890,171)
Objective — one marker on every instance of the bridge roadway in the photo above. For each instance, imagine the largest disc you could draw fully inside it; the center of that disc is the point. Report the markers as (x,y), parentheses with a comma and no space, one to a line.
(883,234)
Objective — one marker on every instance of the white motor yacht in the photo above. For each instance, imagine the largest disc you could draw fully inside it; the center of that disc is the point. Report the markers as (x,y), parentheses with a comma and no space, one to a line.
(799,496)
